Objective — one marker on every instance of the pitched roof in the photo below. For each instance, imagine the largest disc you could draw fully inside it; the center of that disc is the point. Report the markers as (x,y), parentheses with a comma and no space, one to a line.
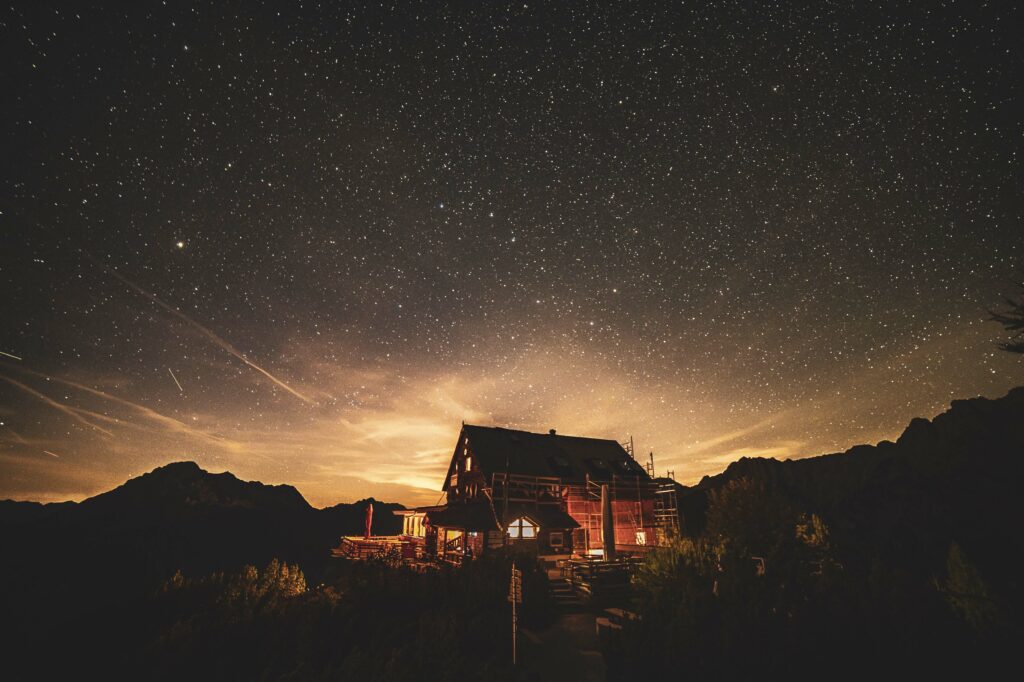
(569,458)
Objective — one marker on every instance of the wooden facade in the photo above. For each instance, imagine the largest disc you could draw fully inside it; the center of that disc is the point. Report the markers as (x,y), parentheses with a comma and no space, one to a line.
(534,493)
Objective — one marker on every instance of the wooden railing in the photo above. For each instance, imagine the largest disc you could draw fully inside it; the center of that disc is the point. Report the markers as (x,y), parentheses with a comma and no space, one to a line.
(592,576)
(352,547)
(452,550)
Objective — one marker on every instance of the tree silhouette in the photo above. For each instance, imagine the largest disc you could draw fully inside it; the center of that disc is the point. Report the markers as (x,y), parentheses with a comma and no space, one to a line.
(748,517)
(1012,318)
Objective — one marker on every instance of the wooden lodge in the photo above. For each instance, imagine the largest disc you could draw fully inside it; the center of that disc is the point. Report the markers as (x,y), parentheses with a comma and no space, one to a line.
(539,494)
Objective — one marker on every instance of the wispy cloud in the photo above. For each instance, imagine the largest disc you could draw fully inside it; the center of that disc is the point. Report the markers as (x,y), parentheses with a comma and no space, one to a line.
(168,424)
(75,414)
(207,333)
(388,429)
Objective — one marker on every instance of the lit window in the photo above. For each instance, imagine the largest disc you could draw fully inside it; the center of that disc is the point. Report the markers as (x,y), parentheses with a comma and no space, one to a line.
(454,481)
(469,462)
(522,528)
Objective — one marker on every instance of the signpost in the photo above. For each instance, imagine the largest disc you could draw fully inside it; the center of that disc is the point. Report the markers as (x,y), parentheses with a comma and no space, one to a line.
(515,595)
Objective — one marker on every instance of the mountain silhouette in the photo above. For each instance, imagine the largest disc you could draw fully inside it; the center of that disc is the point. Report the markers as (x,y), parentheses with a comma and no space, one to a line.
(124,542)
(949,479)
(184,485)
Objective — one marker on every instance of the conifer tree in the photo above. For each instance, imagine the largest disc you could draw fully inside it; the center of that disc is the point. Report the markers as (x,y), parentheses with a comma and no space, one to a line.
(1012,318)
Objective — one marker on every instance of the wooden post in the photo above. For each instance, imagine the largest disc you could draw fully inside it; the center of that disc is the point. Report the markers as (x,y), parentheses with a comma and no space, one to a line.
(607,523)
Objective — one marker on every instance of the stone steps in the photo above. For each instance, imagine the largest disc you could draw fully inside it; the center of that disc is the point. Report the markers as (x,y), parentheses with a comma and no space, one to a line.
(563,593)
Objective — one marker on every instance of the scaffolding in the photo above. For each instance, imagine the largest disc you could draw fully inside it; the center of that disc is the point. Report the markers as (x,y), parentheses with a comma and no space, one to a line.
(645,510)
(628,447)
(643,513)
(507,487)
(666,512)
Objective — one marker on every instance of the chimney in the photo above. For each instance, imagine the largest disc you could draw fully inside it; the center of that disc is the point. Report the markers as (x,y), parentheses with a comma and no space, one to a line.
(551,432)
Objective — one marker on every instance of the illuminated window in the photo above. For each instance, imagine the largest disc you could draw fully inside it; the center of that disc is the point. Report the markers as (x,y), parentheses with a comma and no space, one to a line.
(469,462)
(522,528)
(454,481)
(414,525)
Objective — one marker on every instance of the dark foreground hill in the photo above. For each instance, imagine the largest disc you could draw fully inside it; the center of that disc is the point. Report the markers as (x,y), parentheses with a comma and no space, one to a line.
(92,590)
(122,543)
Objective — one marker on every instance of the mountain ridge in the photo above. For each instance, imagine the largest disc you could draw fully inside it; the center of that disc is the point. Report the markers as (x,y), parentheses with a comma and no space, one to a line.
(944,480)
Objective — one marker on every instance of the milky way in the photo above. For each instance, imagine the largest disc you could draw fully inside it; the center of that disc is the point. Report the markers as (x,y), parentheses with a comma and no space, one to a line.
(304,243)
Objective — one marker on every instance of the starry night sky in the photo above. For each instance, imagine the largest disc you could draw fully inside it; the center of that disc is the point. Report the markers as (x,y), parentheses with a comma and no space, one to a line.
(304,242)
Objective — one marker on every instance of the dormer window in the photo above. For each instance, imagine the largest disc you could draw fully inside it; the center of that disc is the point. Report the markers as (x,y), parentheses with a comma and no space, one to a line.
(522,529)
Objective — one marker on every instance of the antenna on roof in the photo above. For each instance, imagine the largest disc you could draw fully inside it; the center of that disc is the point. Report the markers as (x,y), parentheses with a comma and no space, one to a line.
(650,465)
(628,447)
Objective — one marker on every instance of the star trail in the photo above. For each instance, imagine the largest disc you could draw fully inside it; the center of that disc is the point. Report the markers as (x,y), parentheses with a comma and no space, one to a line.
(304,241)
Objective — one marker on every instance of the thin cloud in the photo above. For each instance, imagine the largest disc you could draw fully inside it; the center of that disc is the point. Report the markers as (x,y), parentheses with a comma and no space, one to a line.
(169,423)
(217,340)
(71,412)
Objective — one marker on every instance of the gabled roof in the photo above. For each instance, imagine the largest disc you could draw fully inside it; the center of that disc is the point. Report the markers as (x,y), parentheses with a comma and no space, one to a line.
(569,458)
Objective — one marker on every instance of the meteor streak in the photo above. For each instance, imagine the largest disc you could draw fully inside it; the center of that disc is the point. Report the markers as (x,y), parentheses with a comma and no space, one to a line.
(203,330)
(175,380)
(52,454)
(9,355)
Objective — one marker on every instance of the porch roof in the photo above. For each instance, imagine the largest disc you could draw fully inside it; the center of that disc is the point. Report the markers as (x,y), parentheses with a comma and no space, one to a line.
(545,515)
(479,516)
